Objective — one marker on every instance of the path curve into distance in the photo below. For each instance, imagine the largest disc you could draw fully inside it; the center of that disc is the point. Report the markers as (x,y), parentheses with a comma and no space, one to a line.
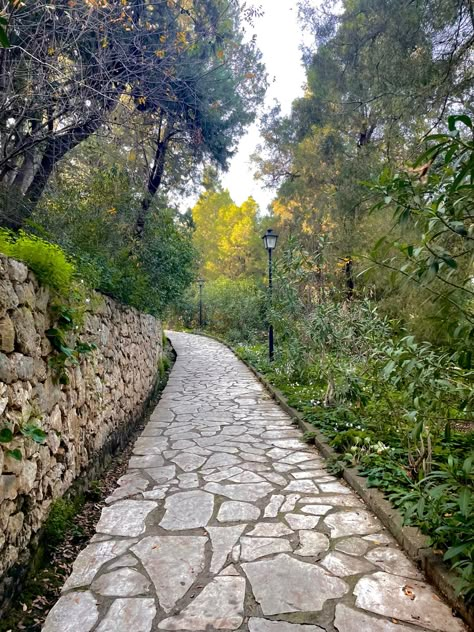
(227,521)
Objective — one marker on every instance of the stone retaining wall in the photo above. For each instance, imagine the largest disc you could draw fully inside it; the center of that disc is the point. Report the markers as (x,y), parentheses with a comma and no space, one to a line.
(105,397)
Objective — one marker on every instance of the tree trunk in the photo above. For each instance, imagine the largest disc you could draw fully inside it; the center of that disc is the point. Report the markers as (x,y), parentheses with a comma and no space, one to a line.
(56,148)
(154,181)
(349,272)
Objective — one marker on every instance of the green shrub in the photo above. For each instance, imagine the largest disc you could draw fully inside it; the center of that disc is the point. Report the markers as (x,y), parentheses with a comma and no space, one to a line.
(48,261)
(60,519)
(234,309)
(442,505)
(344,441)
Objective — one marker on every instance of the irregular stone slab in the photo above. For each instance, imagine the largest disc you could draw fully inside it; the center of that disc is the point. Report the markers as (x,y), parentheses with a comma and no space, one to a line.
(270,530)
(130,485)
(232,511)
(316,510)
(379,538)
(304,486)
(92,558)
(221,460)
(348,619)
(345,523)
(254,467)
(312,543)
(145,462)
(188,480)
(74,612)
(173,563)
(125,615)
(281,467)
(126,517)
(236,553)
(223,540)
(278,453)
(271,510)
(405,599)
(288,585)
(297,457)
(169,454)
(188,462)
(335,500)
(160,415)
(220,606)
(146,446)
(316,463)
(162,474)
(281,434)
(157,493)
(125,560)
(124,582)
(98,537)
(264,625)
(308,474)
(220,448)
(182,444)
(187,510)
(352,546)
(221,475)
(248,477)
(393,561)
(334,488)
(243,492)
(152,432)
(199,451)
(290,502)
(253,548)
(299,521)
(294,444)
(230,570)
(343,565)
(273,477)
(253,458)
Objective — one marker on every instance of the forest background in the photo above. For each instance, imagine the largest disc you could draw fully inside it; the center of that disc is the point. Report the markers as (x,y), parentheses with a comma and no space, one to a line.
(101,127)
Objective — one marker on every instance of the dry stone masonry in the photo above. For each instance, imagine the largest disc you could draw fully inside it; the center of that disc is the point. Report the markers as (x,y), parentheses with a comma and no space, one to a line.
(106,395)
(227,521)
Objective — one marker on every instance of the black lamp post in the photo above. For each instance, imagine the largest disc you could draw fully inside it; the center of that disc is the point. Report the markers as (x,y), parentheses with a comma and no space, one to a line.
(270,241)
(201,285)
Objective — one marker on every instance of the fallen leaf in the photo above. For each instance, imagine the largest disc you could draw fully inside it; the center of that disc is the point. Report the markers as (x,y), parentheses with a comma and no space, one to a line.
(408,590)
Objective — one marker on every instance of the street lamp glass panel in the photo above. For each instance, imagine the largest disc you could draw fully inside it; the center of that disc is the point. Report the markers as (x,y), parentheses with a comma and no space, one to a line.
(270,239)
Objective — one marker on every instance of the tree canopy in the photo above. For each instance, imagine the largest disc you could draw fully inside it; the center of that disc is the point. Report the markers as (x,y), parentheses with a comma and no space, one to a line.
(227,235)
(179,70)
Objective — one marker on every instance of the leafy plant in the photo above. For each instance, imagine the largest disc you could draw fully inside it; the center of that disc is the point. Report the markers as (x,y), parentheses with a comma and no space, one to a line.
(309,436)
(442,505)
(48,261)
(60,519)
(29,428)
(437,198)
(67,350)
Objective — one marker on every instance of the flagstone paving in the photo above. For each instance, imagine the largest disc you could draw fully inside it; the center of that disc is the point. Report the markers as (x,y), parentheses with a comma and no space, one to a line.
(227,521)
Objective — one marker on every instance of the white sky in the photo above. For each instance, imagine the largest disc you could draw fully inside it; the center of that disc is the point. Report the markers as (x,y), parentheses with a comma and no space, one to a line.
(278,37)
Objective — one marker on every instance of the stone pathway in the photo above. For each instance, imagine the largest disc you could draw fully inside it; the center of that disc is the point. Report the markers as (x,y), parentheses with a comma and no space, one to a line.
(227,521)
